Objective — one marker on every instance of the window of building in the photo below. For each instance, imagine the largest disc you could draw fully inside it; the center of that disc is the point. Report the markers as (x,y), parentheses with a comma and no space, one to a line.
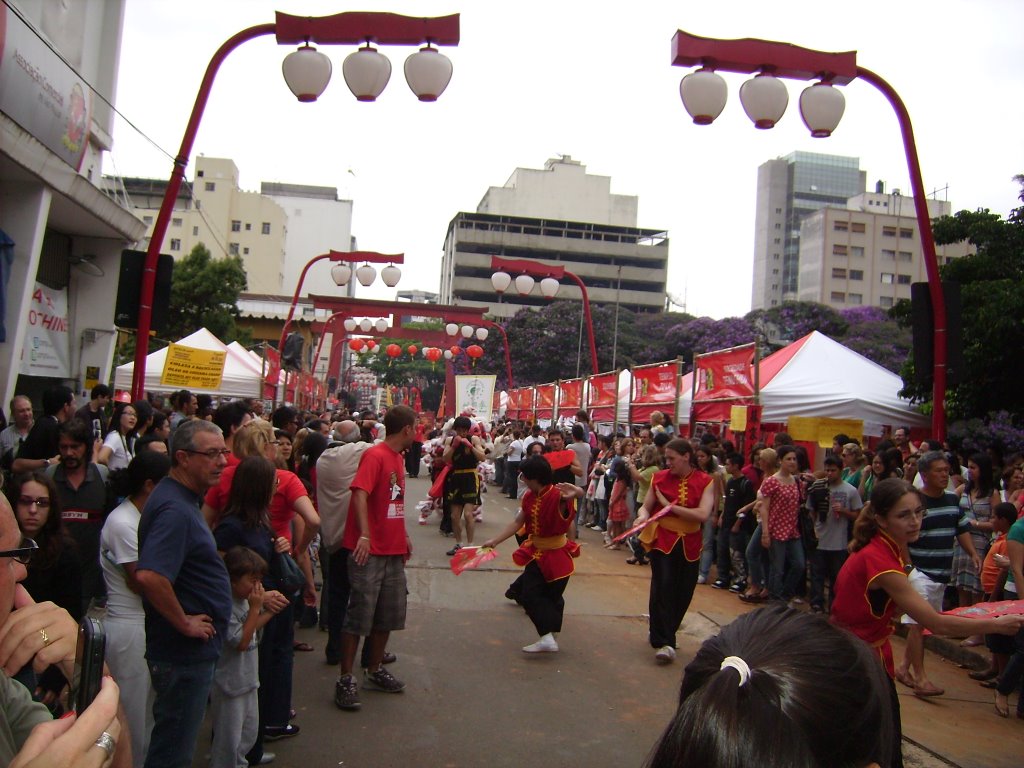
(200,174)
(266,228)
(778,240)
(774,303)
(841,226)
(195,231)
(887,278)
(210,186)
(248,227)
(236,225)
(233,249)
(175,244)
(903,279)
(838,273)
(888,231)
(839,297)
(775,271)
(778,226)
(245,251)
(906,256)
(856,250)
(885,301)
(147,219)
(775,286)
(857,226)
(778,210)
(775,256)
(906,233)
(839,250)
(887,254)
(856,274)
(854,298)
(175,222)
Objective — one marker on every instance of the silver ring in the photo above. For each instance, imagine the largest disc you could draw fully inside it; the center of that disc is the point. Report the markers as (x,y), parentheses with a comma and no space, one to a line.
(107,743)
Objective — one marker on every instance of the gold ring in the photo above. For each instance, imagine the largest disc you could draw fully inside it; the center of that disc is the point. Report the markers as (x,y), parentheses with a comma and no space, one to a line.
(46,637)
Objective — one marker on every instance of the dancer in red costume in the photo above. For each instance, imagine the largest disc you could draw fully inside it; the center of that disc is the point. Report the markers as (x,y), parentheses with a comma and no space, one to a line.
(547,514)
(674,542)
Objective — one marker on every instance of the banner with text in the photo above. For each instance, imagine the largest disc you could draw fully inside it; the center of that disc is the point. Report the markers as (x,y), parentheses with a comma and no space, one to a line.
(545,401)
(655,388)
(474,392)
(724,379)
(191,368)
(603,396)
(47,347)
(570,396)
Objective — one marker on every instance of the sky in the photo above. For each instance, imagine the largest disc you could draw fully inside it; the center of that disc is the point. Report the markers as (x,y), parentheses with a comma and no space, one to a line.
(533,80)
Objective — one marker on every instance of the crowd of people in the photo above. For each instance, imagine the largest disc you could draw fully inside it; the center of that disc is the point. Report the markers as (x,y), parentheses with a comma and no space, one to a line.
(201,534)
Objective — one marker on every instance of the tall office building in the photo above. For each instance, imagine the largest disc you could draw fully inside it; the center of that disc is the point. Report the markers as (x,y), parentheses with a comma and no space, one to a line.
(788,190)
(562,216)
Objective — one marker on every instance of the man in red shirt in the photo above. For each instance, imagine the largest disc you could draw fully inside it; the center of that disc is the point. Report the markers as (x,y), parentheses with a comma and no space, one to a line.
(375,535)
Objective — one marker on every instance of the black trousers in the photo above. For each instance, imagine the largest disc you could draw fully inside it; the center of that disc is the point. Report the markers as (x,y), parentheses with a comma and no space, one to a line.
(338,590)
(542,599)
(673,579)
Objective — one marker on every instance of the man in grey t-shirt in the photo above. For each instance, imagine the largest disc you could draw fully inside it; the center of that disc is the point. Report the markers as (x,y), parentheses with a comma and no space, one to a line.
(833,505)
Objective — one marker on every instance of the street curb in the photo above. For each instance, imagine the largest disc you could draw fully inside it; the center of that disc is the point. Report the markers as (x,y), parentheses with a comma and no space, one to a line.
(975,658)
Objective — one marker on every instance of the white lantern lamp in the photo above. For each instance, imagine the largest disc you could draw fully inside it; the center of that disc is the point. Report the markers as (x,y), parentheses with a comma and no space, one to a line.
(524,284)
(428,72)
(549,287)
(350,324)
(341,274)
(307,72)
(467,331)
(481,334)
(365,325)
(365,274)
(367,72)
(822,107)
(704,94)
(451,329)
(501,281)
(447,354)
(764,99)
(391,275)
(381,325)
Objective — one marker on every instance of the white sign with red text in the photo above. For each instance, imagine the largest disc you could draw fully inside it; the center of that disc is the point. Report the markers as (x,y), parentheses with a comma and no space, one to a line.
(47,348)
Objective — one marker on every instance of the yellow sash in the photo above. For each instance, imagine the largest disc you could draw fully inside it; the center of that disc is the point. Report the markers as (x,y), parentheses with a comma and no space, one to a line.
(544,543)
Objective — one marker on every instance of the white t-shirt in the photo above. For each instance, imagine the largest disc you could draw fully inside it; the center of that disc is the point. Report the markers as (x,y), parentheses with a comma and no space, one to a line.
(119,544)
(515,450)
(121,457)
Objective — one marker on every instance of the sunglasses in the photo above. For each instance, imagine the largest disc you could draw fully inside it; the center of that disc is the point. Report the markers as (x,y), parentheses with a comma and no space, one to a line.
(23,553)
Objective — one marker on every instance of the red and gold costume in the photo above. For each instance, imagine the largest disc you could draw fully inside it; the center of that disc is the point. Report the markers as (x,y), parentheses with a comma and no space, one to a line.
(546,530)
(665,533)
(867,612)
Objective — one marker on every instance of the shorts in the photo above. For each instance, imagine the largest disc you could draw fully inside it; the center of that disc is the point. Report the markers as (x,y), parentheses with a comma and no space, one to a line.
(931,591)
(463,487)
(377,602)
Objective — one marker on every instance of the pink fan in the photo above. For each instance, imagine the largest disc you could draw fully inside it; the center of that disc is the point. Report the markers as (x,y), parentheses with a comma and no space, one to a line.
(640,526)
(471,557)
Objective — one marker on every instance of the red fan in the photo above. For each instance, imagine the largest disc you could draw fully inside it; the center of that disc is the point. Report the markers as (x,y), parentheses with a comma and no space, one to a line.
(639,527)
(437,489)
(471,557)
(559,459)
(989,610)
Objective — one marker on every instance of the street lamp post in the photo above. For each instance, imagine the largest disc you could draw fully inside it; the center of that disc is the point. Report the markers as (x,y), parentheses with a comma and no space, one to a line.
(550,276)
(764,99)
(307,72)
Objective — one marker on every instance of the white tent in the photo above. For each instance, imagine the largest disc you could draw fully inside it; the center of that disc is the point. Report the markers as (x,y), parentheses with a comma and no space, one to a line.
(241,375)
(818,377)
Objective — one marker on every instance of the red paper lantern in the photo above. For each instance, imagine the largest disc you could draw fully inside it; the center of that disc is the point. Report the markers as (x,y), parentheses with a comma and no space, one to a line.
(433,354)
(356,345)
(393,351)
(371,344)
(412,350)
(455,350)
(475,351)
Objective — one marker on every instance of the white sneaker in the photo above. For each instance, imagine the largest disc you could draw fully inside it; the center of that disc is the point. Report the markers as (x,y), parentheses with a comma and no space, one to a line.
(665,655)
(546,644)
(702,579)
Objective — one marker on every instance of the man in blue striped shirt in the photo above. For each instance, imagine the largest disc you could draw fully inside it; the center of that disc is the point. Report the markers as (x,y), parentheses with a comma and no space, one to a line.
(932,558)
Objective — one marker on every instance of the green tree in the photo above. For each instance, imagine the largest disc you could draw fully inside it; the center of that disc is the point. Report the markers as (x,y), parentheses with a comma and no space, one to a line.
(204,293)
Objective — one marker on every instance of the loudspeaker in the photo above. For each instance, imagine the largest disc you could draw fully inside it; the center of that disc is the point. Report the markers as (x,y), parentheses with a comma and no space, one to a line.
(129,287)
(923,324)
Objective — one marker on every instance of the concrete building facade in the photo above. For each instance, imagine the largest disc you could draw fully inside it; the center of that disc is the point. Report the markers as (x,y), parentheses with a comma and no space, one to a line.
(563,216)
(868,252)
(61,236)
(788,190)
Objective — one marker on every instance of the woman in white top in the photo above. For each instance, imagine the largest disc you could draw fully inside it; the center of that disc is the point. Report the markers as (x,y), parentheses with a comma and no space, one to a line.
(125,621)
(512,460)
(119,444)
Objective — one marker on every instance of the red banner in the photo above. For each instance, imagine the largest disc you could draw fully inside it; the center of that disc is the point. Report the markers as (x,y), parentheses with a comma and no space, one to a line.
(655,388)
(603,396)
(725,375)
(545,401)
(273,372)
(570,395)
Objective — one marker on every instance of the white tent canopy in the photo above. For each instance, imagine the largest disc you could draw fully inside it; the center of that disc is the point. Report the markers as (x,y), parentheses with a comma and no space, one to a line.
(241,374)
(820,377)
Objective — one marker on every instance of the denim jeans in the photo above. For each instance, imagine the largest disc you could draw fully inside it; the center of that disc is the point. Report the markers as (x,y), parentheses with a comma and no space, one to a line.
(755,560)
(825,565)
(788,567)
(707,552)
(181,693)
(511,478)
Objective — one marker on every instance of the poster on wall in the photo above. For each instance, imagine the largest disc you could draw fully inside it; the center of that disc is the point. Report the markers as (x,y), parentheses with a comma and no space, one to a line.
(47,349)
(474,392)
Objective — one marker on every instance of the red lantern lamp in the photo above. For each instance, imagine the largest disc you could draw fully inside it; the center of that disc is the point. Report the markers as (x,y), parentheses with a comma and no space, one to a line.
(356,345)
(475,351)
(412,350)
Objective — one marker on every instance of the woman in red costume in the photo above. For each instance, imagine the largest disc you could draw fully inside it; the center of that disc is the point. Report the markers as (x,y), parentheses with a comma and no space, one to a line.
(674,542)
(872,586)
(547,513)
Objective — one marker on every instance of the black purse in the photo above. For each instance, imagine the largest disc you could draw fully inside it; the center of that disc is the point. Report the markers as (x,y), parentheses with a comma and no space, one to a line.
(286,572)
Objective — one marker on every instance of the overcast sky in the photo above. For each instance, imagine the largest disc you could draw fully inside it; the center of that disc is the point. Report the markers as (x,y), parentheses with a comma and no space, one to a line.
(592,80)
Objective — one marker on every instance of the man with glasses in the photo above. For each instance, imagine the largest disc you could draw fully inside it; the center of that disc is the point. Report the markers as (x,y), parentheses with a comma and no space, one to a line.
(186,592)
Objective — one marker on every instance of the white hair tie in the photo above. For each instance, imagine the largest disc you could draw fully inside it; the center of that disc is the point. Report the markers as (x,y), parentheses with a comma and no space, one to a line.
(739,665)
